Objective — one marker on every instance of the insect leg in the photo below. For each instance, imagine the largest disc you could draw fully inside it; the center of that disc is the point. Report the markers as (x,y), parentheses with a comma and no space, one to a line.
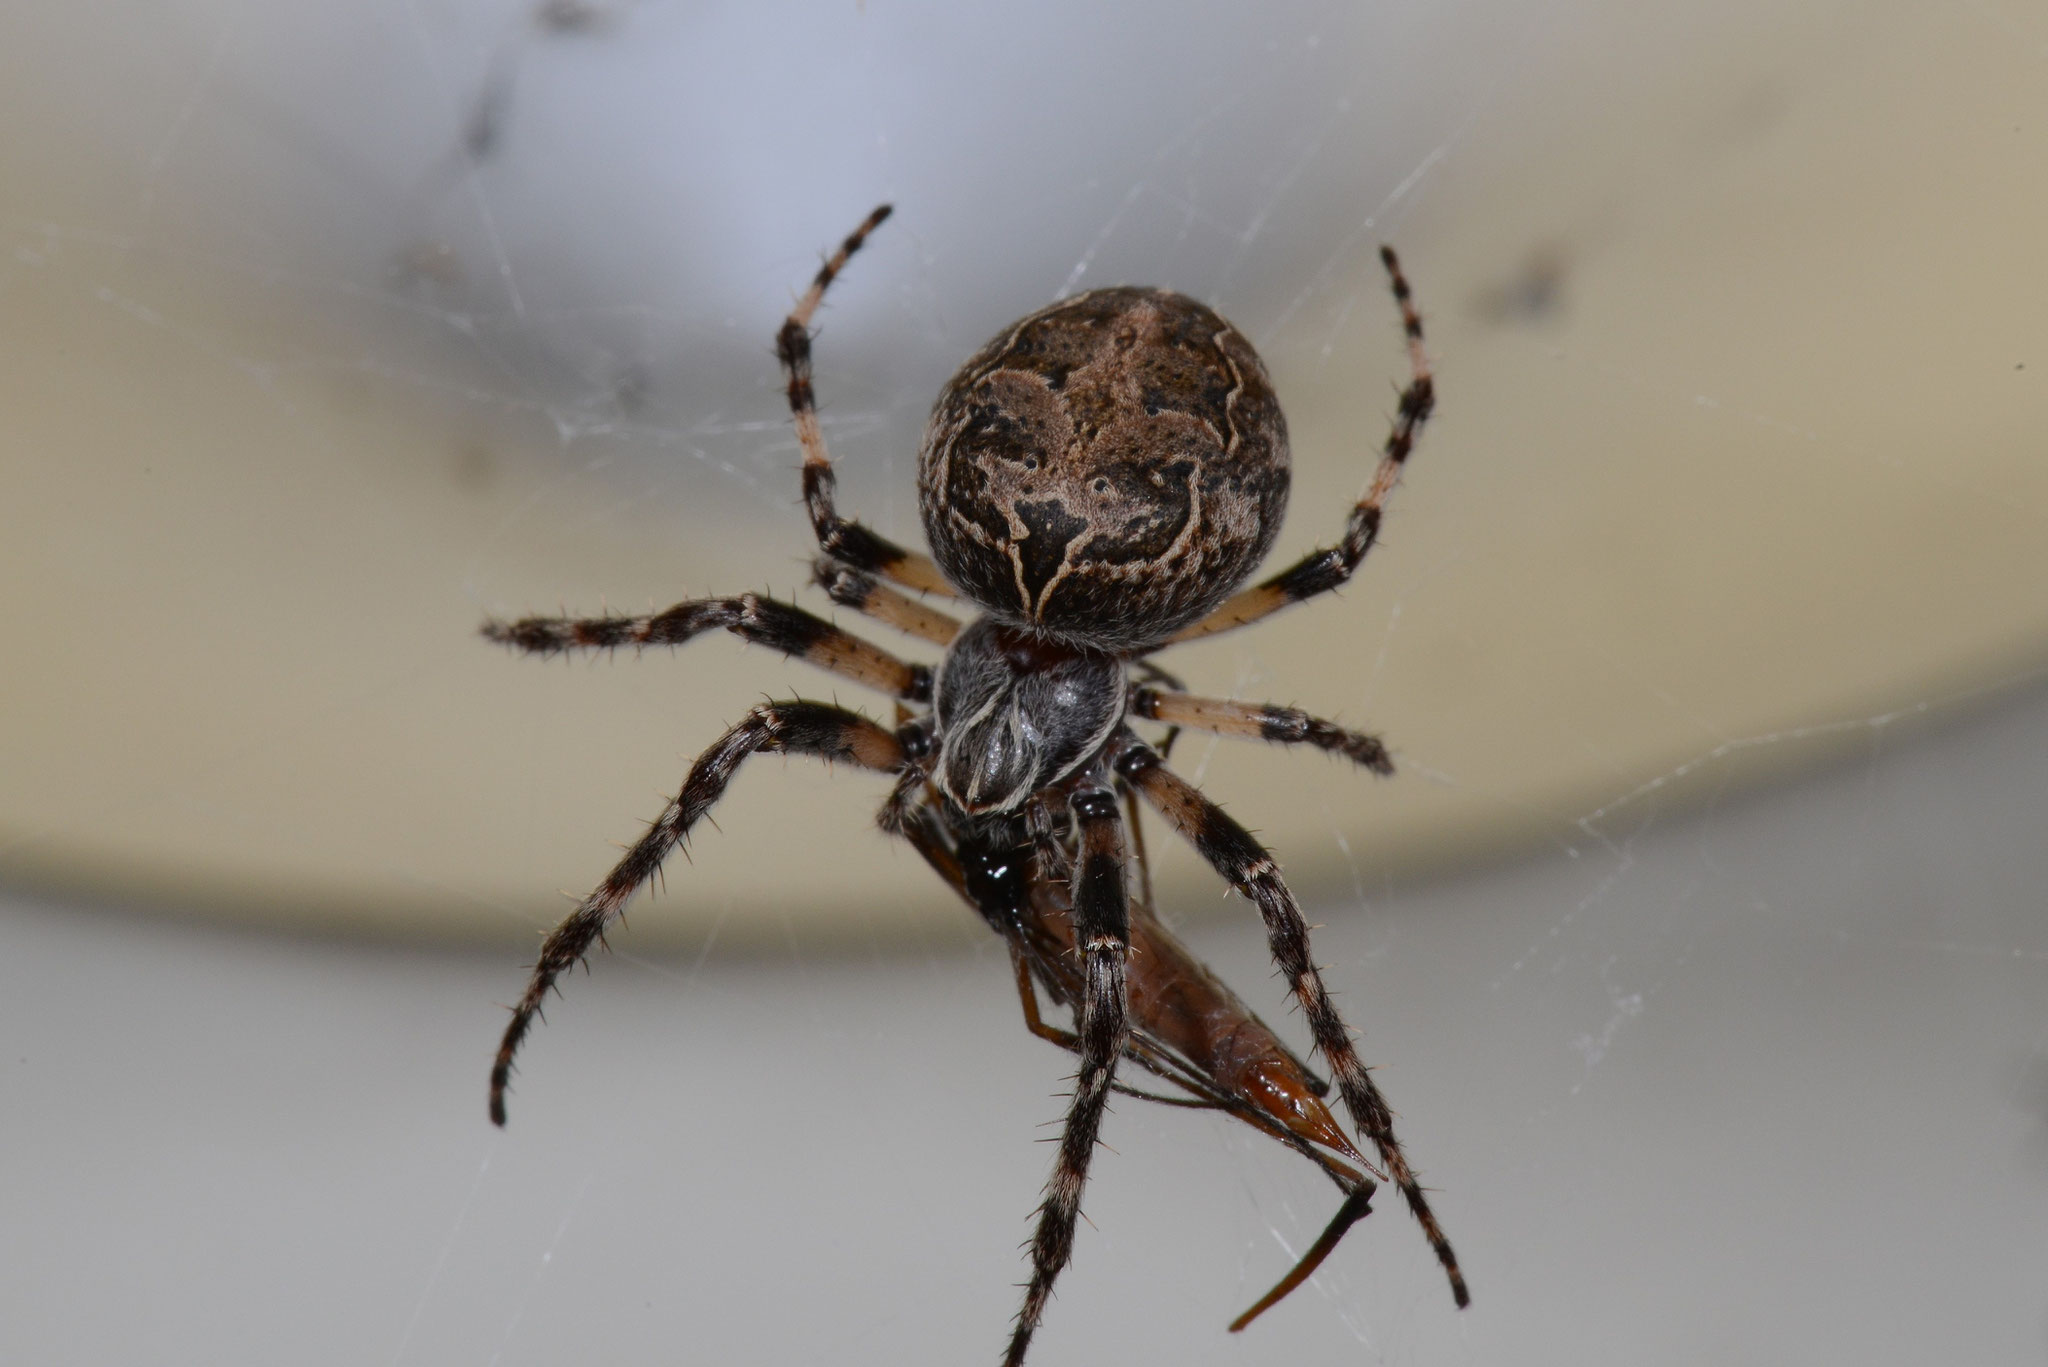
(1357,1205)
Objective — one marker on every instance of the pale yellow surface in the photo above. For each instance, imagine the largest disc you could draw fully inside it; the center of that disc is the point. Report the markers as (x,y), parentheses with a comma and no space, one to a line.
(1766,467)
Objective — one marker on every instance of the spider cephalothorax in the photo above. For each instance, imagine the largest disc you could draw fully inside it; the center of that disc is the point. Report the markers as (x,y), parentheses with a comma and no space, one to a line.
(1018,712)
(1107,470)
(1098,479)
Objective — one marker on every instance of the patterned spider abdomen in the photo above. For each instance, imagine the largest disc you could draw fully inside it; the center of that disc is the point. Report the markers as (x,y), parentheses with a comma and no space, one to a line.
(1106,470)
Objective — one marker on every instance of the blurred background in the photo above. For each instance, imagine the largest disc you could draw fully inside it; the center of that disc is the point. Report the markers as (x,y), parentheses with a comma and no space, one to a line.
(1700,937)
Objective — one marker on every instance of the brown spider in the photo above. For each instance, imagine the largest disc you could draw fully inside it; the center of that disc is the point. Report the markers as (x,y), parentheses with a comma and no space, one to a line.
(1097,480)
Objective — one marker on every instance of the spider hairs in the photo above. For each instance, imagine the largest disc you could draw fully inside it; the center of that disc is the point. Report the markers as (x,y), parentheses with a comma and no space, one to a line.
(1097,482)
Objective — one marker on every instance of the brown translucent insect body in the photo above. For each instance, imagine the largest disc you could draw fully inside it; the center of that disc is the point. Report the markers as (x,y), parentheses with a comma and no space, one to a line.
(1099,479)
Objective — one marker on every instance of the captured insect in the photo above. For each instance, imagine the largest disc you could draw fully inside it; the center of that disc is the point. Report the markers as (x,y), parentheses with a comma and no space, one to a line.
(1097,482)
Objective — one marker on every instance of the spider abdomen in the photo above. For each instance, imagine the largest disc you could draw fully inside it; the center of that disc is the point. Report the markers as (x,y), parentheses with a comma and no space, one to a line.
(1106,470)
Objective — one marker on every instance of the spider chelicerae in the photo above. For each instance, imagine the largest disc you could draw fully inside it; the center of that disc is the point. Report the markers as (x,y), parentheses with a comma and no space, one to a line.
(1098,481)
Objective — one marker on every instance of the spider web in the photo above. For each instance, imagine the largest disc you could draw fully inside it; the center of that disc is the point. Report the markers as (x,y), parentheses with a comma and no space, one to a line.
(1707,1073)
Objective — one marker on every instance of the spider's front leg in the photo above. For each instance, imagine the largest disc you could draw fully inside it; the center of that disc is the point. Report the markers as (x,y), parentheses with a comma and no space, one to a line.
(1102,931)
(1323,570)
(1249,868)
(798,728)
(841,538)
(851,588)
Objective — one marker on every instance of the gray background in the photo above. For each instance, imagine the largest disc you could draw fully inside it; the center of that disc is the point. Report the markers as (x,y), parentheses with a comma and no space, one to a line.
(1767,1083)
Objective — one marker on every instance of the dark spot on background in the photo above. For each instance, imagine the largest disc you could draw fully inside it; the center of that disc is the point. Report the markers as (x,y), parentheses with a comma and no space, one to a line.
(474,466)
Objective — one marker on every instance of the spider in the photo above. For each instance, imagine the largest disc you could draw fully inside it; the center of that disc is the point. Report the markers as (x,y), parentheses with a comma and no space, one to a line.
(1097,481)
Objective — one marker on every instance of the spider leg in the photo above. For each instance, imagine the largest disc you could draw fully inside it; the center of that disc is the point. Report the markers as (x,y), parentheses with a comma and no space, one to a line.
(1035,942)
(1152,673)
(802,728)
(1260,721)
(853,589)
(1322,570)
(749,616)
(841,538)
(1203,1096)
(1147,910)
(1246,865)
(915,823)
(1101,929)
(1154,1055)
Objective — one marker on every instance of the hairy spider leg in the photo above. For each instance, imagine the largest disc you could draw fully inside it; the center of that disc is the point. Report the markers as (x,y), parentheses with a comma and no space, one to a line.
(1033,942)
(1187,1025)
(1251,1074)
(1206,1095)
(1247,866)
(1156,954)
(851,588)
(751,617)
(1260,721)
(797,728)
(1329,567)
(1163,974)
(1102,931)
(841,538)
